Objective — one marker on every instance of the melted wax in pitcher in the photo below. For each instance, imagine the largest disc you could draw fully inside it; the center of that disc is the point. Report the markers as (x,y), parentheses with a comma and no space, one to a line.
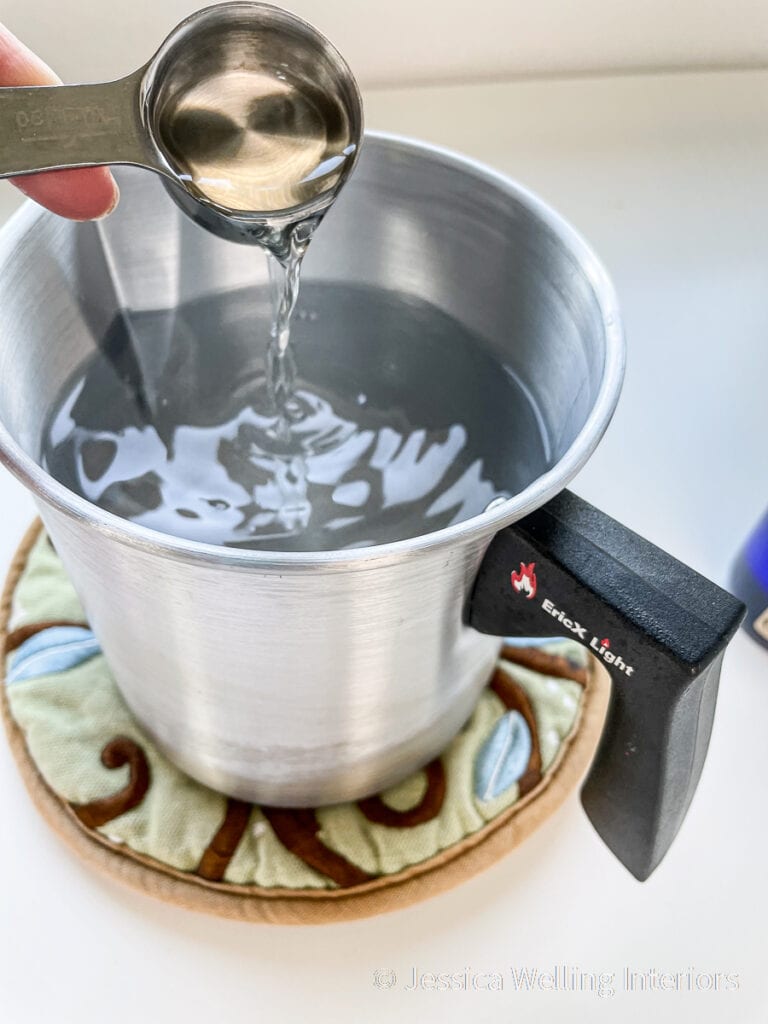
(400,422)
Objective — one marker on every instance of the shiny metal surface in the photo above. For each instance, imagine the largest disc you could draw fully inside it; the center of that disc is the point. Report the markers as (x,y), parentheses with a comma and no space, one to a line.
(306,678)
(50,127)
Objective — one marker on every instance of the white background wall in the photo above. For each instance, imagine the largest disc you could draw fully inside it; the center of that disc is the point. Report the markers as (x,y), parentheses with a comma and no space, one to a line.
(403,41)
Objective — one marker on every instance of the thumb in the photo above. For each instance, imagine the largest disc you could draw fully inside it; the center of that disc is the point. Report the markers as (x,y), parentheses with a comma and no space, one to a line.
(81,194)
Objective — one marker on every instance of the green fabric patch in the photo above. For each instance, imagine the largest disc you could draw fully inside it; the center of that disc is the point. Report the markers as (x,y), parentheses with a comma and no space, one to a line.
(44,591)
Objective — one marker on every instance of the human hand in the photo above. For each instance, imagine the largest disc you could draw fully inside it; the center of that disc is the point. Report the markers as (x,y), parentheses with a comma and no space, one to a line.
(82,194)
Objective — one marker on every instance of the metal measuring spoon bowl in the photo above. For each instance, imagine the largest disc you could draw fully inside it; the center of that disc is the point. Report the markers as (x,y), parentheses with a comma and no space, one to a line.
(251,117)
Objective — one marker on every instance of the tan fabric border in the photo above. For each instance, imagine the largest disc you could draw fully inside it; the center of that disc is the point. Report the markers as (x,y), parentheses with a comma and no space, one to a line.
(473,854)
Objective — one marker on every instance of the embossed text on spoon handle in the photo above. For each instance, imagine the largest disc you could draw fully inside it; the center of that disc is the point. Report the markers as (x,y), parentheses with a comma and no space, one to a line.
(45,128)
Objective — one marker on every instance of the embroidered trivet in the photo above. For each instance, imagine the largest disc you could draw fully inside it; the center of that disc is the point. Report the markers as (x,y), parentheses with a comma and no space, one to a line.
(126,810)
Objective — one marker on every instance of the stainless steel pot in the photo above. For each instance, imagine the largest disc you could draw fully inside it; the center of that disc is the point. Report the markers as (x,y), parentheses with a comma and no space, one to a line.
(301,678)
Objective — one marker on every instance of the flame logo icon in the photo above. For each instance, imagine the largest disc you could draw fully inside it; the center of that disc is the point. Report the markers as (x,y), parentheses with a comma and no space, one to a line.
(524,581)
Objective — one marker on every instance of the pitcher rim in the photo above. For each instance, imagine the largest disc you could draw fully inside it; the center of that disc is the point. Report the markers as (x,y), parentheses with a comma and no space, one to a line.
(48,490)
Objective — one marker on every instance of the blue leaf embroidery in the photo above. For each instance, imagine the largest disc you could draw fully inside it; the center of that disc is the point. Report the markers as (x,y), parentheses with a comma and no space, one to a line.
(503,757)
(52,650)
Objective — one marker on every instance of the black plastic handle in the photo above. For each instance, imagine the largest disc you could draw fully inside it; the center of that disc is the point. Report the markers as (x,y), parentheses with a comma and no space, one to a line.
(658,627)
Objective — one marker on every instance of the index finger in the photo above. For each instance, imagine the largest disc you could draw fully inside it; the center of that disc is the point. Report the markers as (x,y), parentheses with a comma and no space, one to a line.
(80,194)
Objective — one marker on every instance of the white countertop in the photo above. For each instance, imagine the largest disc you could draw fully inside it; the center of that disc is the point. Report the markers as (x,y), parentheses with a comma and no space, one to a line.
(666,176)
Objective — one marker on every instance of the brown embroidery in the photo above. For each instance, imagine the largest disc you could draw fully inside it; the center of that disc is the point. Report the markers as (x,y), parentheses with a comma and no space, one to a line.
(18,636)
(514,697)
(547,664)
(297,831)
(426,809)
(221,848)
(117,753)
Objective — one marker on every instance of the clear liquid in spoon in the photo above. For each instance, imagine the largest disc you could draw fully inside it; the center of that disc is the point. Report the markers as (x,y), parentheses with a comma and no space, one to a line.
(257,139)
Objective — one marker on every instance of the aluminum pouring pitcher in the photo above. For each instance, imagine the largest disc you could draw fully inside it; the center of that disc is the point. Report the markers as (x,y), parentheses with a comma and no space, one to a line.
(309,678)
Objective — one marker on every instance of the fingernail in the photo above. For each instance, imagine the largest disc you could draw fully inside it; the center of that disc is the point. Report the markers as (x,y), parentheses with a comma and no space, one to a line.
(115,201)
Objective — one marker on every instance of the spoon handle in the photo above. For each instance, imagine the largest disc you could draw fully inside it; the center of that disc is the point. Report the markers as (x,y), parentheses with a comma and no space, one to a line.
(45,128)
